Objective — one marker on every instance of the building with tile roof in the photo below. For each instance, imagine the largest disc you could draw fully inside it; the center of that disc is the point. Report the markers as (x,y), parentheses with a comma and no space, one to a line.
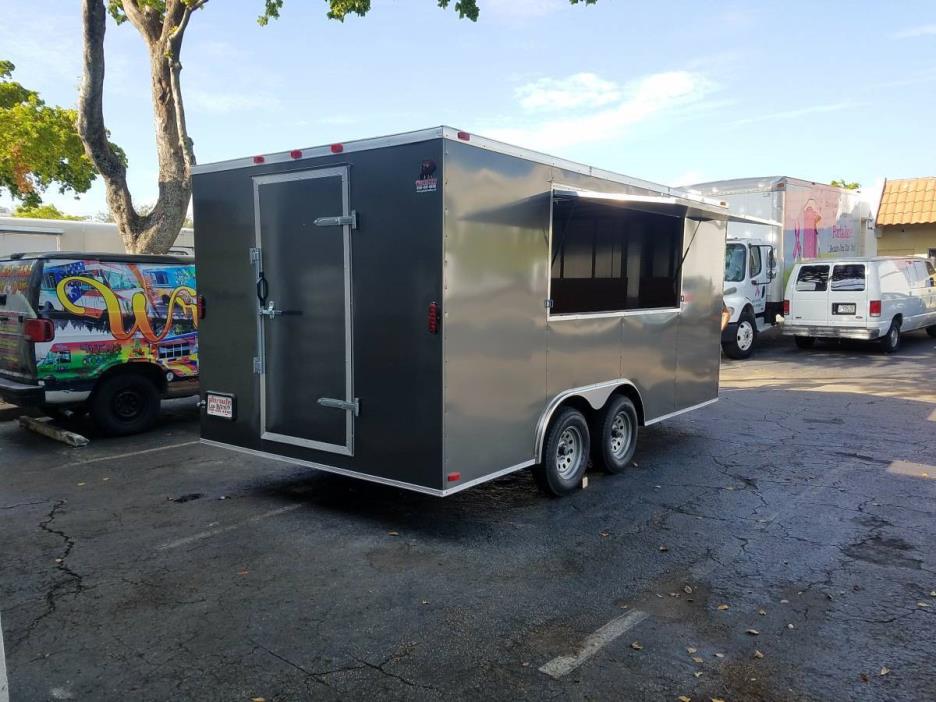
(906,219)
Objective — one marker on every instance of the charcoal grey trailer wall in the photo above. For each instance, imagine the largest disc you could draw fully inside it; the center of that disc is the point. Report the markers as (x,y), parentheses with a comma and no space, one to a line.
(396,274)
(507,360)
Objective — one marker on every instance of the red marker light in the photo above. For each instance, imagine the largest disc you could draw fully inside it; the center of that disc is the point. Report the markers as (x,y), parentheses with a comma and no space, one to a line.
(295,153)
(259,159)
(432,318)
(454,477)
(337,148)
(464,136)
(38,330)
(201,307)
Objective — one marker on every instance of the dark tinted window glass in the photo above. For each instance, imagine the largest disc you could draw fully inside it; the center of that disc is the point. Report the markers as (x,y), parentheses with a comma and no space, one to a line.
(812,279)
(848,277)
(608,258)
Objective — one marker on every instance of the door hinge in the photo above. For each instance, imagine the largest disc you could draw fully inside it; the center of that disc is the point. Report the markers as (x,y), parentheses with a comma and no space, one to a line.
(258,365)
(342,221)
(254,254)
(549,303)
(353,406)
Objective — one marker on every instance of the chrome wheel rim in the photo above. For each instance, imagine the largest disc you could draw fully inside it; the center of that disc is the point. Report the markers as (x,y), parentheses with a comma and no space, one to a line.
(745,335)
(569,452)
(621,432)
(893,336)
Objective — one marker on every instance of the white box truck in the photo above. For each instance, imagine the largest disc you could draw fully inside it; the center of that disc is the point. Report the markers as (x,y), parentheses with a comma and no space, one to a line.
(801,220)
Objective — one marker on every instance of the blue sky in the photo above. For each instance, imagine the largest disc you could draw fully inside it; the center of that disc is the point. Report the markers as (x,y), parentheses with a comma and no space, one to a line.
(674,92)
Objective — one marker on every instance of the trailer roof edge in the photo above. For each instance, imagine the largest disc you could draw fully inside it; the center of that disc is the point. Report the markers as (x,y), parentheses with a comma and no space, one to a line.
(452,134)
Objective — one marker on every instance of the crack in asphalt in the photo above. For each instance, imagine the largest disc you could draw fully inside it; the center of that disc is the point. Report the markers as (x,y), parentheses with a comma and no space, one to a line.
(73,584)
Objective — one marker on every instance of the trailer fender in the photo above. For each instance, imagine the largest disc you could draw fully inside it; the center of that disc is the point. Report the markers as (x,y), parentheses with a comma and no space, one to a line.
(595,395)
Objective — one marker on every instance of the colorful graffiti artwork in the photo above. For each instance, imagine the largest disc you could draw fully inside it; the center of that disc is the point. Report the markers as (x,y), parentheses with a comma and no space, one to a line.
(109,313)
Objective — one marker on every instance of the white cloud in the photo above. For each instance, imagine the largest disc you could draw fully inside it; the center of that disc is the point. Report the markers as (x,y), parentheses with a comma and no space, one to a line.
(223,102)
(578,90)
(651,97)
(923,30)
(795,114)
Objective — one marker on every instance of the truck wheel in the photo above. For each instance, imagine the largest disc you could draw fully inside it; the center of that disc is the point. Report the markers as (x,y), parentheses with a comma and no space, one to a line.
(615,435)
(805,342)
(123,404)
(565,454)
(931,330)
(742,344)
(890,342)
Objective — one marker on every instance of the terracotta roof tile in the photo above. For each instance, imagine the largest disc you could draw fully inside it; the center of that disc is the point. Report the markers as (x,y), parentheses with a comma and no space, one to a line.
(908,201)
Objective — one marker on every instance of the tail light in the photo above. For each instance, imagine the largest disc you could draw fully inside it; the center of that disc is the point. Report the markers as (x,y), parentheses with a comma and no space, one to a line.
(454,476)
(786,308)
(201,307)
(874,308)
(39,330)
(432,318)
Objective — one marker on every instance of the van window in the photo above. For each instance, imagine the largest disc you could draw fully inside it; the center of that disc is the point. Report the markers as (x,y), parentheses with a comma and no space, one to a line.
(848,276)
(734,263)
(756,264)
(812,279)
(931,274)
(608,258)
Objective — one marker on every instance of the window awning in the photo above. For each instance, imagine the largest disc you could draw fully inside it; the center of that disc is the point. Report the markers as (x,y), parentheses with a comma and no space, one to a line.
(660,204)
(655,204)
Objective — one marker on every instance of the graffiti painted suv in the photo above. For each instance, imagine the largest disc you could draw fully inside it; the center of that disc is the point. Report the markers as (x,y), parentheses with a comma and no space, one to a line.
(112,334)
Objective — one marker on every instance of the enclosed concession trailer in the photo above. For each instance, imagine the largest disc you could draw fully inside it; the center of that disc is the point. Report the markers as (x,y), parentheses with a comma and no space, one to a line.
(433,309)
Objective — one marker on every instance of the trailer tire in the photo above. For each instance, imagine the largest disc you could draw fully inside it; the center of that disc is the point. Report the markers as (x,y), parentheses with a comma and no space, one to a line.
(741,345)
(125,403)
(805,342)
(566,449)
(615,436)
(890,342)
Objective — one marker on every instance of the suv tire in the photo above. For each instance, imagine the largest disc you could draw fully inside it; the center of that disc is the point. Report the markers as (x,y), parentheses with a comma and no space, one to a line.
(126,403)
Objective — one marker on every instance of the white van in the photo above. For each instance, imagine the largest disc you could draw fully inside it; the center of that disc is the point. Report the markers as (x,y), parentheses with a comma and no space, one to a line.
(860,298)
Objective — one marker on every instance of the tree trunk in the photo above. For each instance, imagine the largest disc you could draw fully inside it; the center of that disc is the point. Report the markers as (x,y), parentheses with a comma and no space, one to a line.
(156,231)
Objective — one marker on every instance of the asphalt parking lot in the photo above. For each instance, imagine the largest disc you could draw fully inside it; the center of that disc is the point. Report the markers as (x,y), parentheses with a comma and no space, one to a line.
(777,545)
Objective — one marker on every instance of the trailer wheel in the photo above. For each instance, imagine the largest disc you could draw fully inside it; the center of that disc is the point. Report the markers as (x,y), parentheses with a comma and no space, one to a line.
(126,403)
(615,435)
(565,454)
(805,342)
(890,342)
(741,345)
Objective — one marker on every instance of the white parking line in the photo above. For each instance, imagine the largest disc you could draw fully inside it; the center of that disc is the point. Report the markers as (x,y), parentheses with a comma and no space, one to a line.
(563,665)
(223,530)
(4,685)
(132,453)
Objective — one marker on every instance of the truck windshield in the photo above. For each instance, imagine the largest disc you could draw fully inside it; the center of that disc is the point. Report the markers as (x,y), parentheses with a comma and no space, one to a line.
(734,263)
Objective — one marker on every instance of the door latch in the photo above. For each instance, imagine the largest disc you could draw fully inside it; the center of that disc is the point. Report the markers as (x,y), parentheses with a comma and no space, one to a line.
(344,220)
(270,310)
(353,406)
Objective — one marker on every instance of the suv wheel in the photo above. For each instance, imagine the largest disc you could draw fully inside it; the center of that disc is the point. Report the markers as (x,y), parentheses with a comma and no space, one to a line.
(123,404)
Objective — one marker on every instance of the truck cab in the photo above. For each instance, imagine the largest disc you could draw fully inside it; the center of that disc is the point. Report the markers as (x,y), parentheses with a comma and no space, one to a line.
(750,267)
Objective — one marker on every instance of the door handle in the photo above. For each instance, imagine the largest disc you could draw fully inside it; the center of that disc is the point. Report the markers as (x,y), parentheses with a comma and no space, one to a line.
(271,311)
(353,406)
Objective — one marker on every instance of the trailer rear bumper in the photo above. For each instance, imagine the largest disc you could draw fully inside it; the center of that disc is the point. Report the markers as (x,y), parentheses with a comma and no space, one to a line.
(859,333)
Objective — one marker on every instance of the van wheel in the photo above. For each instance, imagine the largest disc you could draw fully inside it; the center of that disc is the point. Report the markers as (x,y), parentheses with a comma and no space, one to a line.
(616,435)
(742,344)
(123,404)
(805,342)
(565,454)
(931,330)
(891,341)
